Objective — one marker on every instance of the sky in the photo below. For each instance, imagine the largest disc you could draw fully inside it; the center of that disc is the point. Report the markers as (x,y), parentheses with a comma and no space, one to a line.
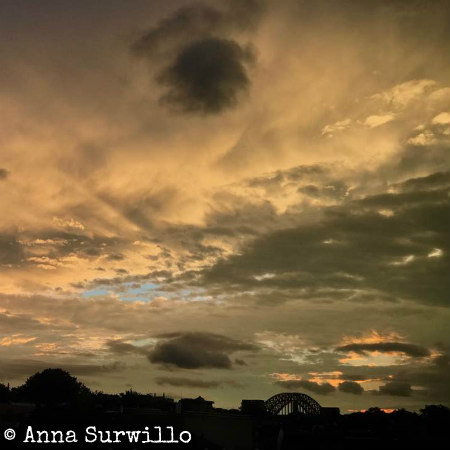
(227,198)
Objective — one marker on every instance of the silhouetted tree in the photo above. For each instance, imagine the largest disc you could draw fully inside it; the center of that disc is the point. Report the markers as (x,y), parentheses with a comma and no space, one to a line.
(4,393)
(436,416)
(52,386)
(402,415)
(374,410)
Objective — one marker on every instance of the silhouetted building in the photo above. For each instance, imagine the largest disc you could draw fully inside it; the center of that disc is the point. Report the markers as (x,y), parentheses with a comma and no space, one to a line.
(330,413)
(131,399)
(198,404)
(253,407)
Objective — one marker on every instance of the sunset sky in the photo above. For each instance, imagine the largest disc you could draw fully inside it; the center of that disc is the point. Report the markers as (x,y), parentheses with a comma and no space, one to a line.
(230,198)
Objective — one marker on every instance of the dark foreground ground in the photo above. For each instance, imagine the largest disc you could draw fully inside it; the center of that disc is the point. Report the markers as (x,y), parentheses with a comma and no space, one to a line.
(222,429)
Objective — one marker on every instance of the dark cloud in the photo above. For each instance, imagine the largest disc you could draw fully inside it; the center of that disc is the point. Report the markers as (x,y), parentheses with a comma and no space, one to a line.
(351,387)
(192,383)
(395,388)
(207,76)
(317,388)
(436,180)
(115,257)
(432,378)
(195,350)
(335,191)
(49,246)
(295,174)
(4,173)
(208,73)
(386,347)
(11,250)
(378,243)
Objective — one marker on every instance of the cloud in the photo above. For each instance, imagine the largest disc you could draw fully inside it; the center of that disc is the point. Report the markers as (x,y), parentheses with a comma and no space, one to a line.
(207,76)
(434,133)
(193,383)
(442,118)
(197,21)
(292,216)
(433,181)
(355,377)
(317,388)
(354,246)
(351,387)
(432,379)
(11,250)
(23,368)
(195,350)
(336,190)
(413,350)
(12,322)
(402,95)
(208,73)
(119,347)
(340,125)
(376,121)
(395,388)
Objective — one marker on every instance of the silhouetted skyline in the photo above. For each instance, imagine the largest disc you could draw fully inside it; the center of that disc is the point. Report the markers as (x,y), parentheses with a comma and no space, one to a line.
(52,406)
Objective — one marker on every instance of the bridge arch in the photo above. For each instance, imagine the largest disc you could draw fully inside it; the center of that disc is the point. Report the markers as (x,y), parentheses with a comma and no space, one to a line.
(292,402)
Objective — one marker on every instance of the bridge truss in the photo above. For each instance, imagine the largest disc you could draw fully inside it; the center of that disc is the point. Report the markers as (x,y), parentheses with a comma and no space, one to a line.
(292,402)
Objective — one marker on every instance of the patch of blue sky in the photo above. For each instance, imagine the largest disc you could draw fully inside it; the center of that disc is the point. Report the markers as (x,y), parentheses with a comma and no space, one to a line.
(126,291)
(96,292)
(145,292)
(129,291)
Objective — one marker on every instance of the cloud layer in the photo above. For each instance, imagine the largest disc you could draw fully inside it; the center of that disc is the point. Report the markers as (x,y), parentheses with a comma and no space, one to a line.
(237,196)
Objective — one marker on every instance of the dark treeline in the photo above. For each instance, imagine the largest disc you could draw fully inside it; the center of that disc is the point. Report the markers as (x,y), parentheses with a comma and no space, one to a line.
(54,399)
(53,387)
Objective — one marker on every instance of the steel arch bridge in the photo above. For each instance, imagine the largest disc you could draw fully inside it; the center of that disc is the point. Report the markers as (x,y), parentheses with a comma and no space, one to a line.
(292,402)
